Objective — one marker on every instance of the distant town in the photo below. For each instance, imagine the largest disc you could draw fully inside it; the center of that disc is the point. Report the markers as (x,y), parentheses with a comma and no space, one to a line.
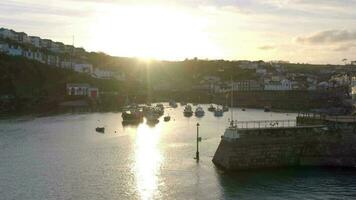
(211,77)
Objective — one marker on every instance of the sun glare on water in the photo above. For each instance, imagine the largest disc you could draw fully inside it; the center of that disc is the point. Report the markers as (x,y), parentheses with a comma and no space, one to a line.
(151,33)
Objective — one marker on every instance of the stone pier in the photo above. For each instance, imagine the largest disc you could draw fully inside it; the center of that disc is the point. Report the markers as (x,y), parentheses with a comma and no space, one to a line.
(329,144)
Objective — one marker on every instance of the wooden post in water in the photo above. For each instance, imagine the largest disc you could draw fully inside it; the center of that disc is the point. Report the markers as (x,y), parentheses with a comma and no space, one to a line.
(197,153)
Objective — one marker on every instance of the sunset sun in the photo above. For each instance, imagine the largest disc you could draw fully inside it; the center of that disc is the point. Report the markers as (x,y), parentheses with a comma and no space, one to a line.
(151,32)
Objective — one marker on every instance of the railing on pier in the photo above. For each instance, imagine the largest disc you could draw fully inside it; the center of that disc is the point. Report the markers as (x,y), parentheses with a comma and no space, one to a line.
(265,124)
(341,119)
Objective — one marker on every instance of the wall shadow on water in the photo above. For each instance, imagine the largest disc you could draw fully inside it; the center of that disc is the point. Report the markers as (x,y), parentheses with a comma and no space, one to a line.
(292,183)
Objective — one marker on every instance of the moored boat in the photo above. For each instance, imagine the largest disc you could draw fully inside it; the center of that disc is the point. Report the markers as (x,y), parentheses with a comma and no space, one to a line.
(100,129)
(211,108)
(199,111)
(167,118)
(188,111)
(218,112)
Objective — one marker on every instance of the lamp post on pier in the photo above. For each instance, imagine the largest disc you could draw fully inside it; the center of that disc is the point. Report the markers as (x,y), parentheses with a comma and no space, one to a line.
(198,140)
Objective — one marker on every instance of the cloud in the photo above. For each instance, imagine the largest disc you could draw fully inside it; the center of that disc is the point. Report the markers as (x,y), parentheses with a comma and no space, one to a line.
(328,37)
(345,47)
(267,47)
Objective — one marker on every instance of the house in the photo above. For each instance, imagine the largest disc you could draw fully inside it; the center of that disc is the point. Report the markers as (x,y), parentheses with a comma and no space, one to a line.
(283,85)
(82,89)
(261,71)
(23,38)
(103,74)
(52,60)
(35,41)
(14,50)
(353,88)
(8,34)
(247,85)
(45,43)
(68,48)
(83,67)
(57,47)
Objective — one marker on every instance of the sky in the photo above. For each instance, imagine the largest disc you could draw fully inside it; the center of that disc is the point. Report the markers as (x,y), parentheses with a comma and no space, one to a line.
(300,31)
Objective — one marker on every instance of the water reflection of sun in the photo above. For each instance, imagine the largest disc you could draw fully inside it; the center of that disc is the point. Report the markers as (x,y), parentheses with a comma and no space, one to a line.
(148,160)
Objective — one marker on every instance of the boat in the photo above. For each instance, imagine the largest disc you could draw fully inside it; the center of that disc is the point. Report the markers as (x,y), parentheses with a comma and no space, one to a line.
(267,109)
(199,111)
(225,108)
(159,109)
(211,108)
(167,118)
(132,115)
(218,112)
(152,118)
(100,129)
(188,111)
(243,109)
(173,104)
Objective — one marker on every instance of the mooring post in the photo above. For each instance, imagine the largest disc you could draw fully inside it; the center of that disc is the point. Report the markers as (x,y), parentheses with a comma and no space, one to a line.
(197,153)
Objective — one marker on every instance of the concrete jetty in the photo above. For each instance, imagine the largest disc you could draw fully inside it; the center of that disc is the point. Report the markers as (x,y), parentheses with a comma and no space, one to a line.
(310,140)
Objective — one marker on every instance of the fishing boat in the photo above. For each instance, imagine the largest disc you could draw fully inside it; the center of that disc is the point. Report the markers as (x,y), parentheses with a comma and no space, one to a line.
(199,111)
(100,129)
(167,118)
(218,112)
(188,112)
(132,115)
(152,118)
(211,108)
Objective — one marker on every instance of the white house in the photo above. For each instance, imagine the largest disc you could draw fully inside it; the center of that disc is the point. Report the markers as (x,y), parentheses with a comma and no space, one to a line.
(83,67)
(8,34)
(283,85)
(82,89)
(45,43)
(103,74)
(35,41)
(14,50)
(23,38)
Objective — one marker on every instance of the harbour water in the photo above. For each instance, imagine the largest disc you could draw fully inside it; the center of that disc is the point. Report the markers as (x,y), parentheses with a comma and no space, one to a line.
(62,157)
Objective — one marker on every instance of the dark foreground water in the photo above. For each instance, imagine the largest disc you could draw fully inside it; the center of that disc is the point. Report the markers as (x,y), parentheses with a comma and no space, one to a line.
(62,157)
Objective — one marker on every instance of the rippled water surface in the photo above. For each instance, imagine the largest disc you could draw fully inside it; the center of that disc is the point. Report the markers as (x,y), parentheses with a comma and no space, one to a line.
(62,157)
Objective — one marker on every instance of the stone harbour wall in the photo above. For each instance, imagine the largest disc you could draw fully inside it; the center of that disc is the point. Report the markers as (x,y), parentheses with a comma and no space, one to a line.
(287,147)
